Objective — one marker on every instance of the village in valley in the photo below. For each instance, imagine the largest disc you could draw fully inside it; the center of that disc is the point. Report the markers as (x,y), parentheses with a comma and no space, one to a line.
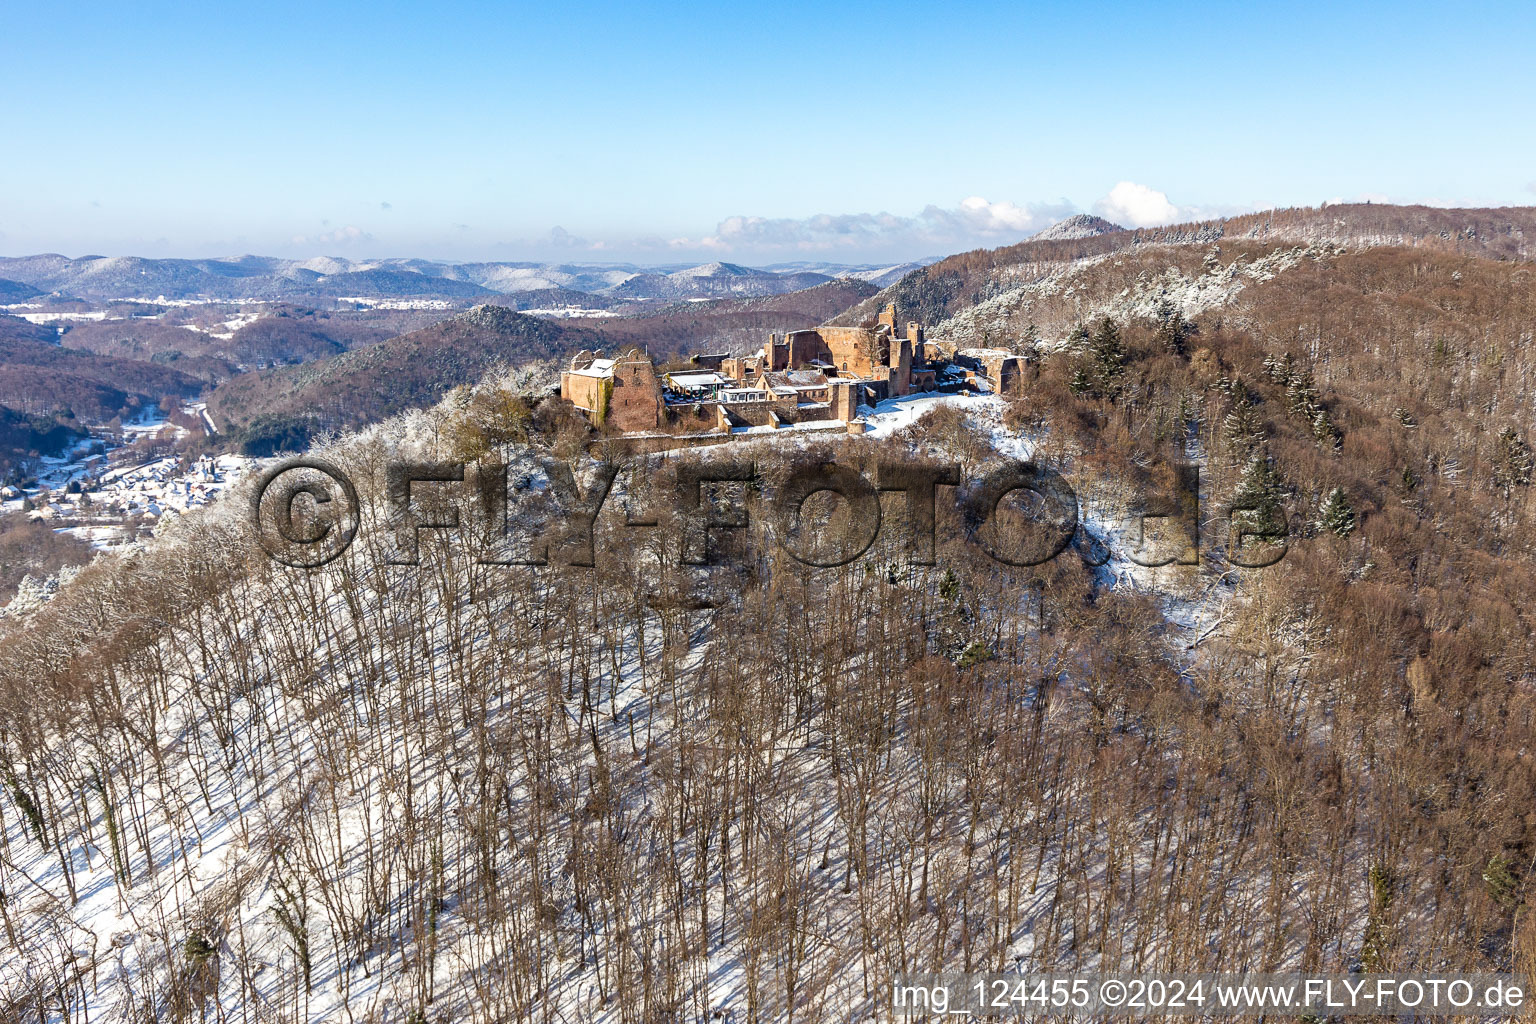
(817,379)
(111,489)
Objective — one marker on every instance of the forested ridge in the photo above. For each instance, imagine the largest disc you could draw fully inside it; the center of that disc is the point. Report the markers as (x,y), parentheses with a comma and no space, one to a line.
(647,791)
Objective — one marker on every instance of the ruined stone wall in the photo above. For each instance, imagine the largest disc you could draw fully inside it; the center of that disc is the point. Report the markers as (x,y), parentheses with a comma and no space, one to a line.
(1005,372)
(589,393)
(756,414)
(807,414)
(742,368)
(855,350)
(636,401)
(775,354)
(748,414)
(901,367)
(803,347)
(694,417)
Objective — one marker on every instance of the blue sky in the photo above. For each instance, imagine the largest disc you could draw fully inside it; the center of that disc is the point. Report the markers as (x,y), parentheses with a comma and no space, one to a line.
(758,133)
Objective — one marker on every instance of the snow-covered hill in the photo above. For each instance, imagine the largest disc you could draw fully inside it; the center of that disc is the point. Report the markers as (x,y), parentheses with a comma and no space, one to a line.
(1082,225)
(439,792)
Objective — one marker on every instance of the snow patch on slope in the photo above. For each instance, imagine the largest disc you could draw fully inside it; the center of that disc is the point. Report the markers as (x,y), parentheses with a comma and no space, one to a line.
(1216,286)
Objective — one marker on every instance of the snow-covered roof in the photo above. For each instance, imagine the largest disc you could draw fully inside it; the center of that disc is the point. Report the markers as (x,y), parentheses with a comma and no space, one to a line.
(596,368)
(795,379)
(697,379)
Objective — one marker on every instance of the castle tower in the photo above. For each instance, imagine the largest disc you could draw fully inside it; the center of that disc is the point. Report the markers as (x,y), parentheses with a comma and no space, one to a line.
(775,353)
(900,367)
(845,400)
(888,316)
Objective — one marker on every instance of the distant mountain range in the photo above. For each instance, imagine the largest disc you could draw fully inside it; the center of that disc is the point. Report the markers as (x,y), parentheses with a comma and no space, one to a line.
(99,278)
(878,275)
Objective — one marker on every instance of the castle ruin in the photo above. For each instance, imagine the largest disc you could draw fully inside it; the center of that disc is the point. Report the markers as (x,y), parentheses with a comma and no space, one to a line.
(817,375)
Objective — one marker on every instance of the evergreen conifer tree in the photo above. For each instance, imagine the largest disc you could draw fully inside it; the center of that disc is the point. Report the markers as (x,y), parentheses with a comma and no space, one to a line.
(1079,383)
(1301,399)
(1323,429)
(1336,514)
(1257,499)
(1514,463)
(1241,430)
(1101,364)
(1104,363)
(1172,329)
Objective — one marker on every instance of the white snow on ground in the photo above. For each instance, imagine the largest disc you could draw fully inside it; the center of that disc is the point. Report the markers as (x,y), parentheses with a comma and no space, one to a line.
(992,318)
(79,459)
(88,456)
(374,303)
(162,482)
(880,420)
(229,326)
(121,931)
(1191,602)
(565,312)
(895,414)
(127,495)
(149,422)
(27,310)
(1215,287)
(209,855)
(809,427)
(48,318)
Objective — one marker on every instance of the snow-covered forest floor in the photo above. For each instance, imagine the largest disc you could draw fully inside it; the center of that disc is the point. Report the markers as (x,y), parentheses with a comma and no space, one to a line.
(643,791)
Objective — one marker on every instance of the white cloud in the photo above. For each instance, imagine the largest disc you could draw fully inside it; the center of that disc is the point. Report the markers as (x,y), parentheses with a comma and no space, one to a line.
(974,222)
(1134,205)
(349,235)
(1138,206)
(1006,217)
